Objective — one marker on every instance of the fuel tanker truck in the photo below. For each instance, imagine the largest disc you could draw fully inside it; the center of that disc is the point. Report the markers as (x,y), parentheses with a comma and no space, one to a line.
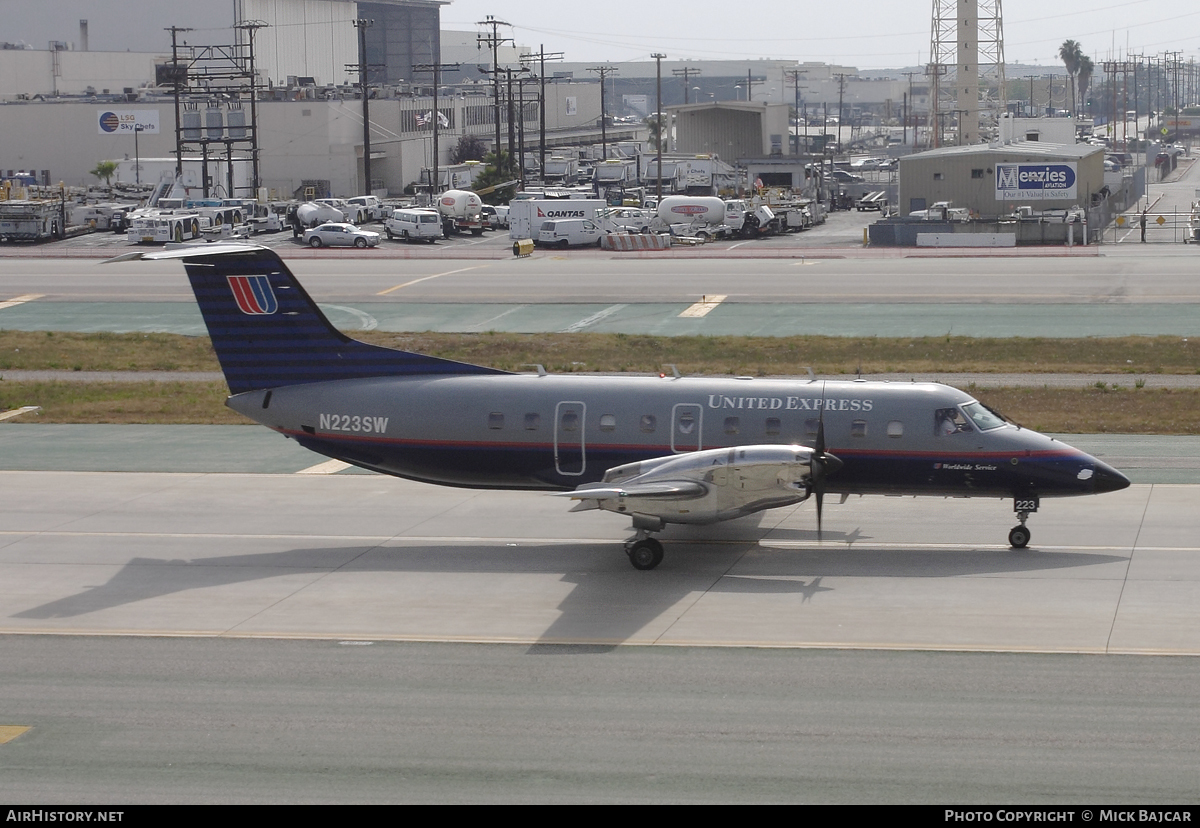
(461,211)
(702,216)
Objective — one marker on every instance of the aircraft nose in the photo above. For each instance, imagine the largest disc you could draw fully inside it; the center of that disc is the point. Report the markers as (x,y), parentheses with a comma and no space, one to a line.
(1107,479)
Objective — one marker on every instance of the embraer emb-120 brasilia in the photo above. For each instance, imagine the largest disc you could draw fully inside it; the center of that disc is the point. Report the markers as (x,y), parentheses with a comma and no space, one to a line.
(659,450)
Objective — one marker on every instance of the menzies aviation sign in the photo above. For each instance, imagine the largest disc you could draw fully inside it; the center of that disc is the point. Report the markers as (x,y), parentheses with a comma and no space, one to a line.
(1036,182)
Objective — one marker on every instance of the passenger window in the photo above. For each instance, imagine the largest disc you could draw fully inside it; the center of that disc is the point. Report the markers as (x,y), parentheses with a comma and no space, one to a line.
(895,429)
(858,428)
(811,427)
(495,420)
(732,425)
(570,421)
(686,423)
(532,421)
(773,426)
(608,422)
(649,423)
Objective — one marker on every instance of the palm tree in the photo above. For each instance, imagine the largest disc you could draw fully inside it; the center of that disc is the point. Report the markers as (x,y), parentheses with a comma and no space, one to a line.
(1071,53)
(105,170)
(1086,68)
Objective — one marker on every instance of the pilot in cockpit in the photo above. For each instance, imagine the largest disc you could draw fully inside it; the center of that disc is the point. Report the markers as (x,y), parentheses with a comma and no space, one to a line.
(949,421)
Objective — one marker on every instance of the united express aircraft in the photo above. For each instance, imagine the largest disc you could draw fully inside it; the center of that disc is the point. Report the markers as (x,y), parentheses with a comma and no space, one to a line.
(658,450)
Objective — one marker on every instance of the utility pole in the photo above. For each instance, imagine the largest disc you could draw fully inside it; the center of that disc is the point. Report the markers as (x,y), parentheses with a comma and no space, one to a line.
(542,56)
(251,27)
(658,118)
(178,80)
(437,69)
(603,72)
(794,75)
(910,101)
(841,90)
(750,89)
(494,40)
(362,24)
(686,73)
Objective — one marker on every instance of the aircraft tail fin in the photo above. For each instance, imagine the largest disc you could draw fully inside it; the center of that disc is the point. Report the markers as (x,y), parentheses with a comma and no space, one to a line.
(268,332)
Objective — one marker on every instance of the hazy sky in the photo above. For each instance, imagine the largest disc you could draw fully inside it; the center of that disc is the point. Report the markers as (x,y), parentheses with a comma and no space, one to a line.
(869,34)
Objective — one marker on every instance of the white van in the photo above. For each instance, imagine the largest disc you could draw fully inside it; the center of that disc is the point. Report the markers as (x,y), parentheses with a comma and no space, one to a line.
(414,225)
(565,232)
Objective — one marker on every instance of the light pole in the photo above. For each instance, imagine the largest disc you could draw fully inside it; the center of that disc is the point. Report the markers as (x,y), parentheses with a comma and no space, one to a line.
(137,156)
(658,117)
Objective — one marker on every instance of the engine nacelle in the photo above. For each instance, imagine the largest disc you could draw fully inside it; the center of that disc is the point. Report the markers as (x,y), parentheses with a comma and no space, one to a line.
(707,486)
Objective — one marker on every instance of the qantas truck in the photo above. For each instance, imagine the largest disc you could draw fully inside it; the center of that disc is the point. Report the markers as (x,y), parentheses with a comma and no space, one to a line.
(526,216)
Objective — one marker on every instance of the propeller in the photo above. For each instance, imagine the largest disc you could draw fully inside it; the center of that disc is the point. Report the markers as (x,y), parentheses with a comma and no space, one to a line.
(822,465)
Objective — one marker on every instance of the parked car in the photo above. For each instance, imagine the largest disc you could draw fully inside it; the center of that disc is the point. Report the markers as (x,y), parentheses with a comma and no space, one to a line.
(843,177)
(335,234)
(414,225)
(566,232)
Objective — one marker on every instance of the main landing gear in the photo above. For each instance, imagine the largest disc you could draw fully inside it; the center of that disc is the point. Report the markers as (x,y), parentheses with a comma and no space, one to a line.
(644,551)
(1018,536)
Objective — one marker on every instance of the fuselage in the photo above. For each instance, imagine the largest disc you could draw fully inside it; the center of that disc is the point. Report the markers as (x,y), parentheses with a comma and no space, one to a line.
(558,431)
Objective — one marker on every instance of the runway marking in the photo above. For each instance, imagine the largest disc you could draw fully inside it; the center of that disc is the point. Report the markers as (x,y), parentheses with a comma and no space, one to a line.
(328,467)
(366,321)
(493,540)
(17,412)
(10,732)
(593,319)
(616,642)
(704,307)
(20,300)
(427,278)
(479,326)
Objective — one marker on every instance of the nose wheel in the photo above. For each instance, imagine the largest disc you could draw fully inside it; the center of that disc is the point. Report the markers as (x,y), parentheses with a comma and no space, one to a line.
(1018,536)
(644,552)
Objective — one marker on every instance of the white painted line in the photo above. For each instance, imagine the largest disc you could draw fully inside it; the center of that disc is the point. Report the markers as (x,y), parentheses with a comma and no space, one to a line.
(17,412)
(427,278)
(704,307)
(366,321)
(328,467)
(593,319)
(480,326)
(20,300)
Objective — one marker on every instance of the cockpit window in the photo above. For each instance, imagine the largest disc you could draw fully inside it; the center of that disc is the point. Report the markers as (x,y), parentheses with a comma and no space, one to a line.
(947,421)
(983,417)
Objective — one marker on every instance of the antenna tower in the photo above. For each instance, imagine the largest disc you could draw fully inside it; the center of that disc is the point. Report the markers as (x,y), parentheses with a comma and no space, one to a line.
(966,69)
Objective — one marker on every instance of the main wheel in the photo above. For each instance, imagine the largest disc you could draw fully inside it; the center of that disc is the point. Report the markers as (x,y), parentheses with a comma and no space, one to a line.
(646,554)
(388,230)
(315,241)
(645,230)
(563,244)
(1018,537)
(360,243)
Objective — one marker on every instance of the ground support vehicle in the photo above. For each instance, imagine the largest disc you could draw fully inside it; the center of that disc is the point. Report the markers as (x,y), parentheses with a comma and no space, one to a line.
(568,232)
(29,220)
(526,216)
(167,226)
(370,207)
(413,225)
(461,211)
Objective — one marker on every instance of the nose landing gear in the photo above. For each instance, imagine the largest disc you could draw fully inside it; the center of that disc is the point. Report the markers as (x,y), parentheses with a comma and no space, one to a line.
(1018,536)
